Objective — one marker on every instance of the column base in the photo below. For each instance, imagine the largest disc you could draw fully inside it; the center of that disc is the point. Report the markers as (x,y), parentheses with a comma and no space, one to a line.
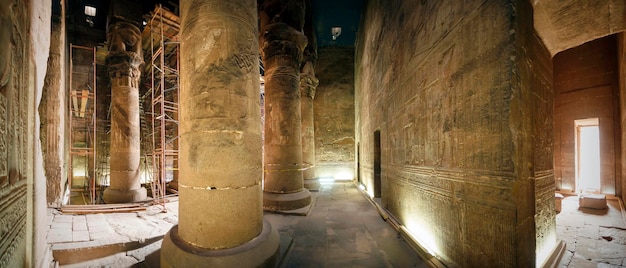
(282,202)
(261,251)
(112,196)
(312,184)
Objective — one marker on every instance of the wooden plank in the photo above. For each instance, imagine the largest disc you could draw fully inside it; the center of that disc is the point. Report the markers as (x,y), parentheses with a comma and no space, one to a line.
(83,105)
(102,206)
(75,102)
(97,211)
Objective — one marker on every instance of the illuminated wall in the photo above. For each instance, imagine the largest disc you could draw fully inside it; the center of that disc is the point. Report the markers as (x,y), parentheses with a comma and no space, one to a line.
(334,113)
(587,86)
(461,94)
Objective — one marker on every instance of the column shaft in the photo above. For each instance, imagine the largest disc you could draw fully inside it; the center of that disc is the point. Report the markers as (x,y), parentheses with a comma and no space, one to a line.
(125,148)
(308,84)
(282,44)
(220,203)
(123,63)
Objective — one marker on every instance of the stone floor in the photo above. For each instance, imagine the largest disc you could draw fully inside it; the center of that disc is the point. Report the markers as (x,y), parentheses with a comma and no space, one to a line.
(342,230)
(594,238)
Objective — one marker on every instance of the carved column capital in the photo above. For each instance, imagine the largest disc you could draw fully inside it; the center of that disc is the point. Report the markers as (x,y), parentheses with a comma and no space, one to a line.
(281,39)
(125,52)
(123,64)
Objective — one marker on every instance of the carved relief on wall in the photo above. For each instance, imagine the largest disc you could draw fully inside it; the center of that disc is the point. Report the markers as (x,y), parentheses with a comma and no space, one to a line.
(6,28)
(14,71)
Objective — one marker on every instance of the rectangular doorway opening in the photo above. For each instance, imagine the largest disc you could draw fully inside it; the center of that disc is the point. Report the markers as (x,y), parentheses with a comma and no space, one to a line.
(377,165)
(358,163)
(587,155)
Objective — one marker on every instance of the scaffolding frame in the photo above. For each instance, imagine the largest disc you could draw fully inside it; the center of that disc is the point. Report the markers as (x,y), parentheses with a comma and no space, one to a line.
(163,30)
(82,121)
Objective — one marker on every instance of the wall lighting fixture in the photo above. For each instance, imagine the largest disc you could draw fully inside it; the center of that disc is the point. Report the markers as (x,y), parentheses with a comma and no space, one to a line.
(336,31)
(90,11)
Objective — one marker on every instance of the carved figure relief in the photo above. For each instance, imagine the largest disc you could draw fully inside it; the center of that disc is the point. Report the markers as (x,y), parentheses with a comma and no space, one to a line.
(14,103)
(6,33)
(124,36)
(5,42)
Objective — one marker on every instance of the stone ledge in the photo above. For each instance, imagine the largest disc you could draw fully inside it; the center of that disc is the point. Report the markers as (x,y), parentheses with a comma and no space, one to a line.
(593,201)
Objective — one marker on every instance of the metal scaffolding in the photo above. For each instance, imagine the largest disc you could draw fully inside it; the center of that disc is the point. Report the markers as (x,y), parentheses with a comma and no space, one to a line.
(160,35)
(82,122)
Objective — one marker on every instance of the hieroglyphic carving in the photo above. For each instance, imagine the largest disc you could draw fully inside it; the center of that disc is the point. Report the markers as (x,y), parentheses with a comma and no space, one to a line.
(12,223)
(6,32)
(14,92)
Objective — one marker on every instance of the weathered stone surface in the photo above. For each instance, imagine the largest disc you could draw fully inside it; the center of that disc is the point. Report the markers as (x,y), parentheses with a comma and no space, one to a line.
(460,93)
(220,204)
(586,86)
(334,113)
(52,111)
(282,43)
(123,63)
(308,84)
(567,24)
(621,56)
(24,46)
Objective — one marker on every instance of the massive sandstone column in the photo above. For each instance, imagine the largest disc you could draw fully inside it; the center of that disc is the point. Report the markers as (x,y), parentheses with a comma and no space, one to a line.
(308,84)
(220,222)
(52,109)
(282,43)
(123,60)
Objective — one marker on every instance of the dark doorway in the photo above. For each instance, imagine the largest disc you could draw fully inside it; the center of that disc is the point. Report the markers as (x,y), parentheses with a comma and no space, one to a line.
(377,164)
(358,163)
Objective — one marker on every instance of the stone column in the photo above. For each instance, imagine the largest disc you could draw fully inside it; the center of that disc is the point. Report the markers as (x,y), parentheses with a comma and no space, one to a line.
(282,43)
(308,84)
(220,222)
(123,62)
(52,110)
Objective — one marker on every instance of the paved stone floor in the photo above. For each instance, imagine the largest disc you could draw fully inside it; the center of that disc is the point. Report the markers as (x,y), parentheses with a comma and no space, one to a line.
(342,230)
(109,240)
(594,238)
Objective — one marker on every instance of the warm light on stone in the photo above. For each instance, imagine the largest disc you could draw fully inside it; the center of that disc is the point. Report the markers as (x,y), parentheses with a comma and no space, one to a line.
(220,220)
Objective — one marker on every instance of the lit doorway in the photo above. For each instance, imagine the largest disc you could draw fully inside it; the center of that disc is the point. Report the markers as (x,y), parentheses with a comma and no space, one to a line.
(587,155)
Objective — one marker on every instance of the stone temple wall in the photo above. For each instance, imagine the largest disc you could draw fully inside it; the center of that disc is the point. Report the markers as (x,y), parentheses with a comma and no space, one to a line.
(621,55)
(587,86)
(334,113)
(461,96)
(14,138)
(24,43)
